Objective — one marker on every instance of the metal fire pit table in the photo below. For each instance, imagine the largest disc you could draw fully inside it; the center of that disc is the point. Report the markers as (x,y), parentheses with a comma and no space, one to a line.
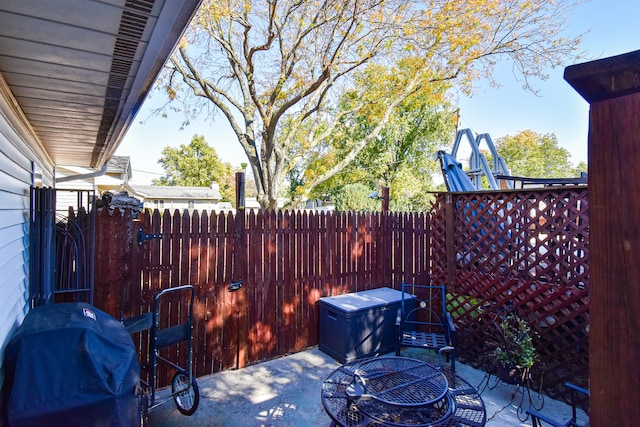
(400,391)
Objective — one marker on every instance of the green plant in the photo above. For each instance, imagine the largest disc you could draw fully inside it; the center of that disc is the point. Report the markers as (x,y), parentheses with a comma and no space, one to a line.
(517,349)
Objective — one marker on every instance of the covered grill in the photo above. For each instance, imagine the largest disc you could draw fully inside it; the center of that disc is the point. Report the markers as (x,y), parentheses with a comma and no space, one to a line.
(72,364)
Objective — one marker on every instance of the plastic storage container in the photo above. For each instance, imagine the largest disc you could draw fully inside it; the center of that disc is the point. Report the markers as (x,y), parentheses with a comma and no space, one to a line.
(359,324)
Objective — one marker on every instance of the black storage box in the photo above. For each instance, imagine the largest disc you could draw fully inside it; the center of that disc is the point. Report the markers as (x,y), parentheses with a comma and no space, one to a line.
(360,324)
(71,364)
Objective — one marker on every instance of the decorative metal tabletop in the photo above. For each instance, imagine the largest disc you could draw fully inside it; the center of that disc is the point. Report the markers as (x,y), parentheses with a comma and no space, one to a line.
(399,391)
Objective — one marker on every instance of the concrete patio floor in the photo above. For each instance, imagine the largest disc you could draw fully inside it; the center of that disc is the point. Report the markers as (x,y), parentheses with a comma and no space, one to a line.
(285,392)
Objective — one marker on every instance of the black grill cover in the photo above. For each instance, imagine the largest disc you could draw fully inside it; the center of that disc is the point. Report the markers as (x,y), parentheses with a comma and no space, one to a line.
(71,364)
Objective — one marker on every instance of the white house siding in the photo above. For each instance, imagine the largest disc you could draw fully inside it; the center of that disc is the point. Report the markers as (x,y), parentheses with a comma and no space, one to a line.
(182,205)
(69,199)
(18,162)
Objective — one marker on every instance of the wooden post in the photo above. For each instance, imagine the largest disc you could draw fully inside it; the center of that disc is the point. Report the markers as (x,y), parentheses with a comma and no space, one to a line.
(383,248)
(116,266)
(240,269)
(450,242)
(385,199)
(240,196)
(612,88)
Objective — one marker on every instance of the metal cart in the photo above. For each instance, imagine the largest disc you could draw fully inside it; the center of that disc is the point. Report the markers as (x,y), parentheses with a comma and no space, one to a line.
(184,388)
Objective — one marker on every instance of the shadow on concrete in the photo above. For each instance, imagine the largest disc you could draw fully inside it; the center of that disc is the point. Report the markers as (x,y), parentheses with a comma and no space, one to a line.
(285,392)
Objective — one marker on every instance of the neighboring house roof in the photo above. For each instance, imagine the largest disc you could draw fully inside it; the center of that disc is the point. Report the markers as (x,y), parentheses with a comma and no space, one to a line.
(119,165)
(175,192)
(80,70)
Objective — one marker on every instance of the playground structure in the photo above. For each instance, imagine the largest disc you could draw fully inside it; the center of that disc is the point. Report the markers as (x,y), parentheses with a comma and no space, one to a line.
(496,176)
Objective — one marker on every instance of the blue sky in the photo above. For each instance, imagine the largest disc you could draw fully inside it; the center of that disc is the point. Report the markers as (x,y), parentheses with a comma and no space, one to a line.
(612,27)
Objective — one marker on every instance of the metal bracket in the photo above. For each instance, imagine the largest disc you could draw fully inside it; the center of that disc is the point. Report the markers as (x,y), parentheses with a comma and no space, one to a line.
(235,286)
(142,236)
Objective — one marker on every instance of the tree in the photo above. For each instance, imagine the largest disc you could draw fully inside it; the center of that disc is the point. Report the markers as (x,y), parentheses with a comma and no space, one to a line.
(404,156)
(264,64)
(355,197)
(196,165)
(580,168)
(533,155)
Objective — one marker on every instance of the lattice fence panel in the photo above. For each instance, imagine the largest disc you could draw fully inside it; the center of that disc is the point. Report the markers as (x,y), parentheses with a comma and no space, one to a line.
(438,242)
(525,250)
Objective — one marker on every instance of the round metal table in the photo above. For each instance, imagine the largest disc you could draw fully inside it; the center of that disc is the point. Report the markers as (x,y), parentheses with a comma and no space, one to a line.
(400,391)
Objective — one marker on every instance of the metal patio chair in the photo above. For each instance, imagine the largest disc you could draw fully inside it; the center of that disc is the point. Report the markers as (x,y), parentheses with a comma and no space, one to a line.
(424,322)
(537,418)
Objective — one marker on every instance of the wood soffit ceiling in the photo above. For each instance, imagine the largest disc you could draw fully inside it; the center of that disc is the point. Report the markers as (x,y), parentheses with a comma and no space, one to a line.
(80,69)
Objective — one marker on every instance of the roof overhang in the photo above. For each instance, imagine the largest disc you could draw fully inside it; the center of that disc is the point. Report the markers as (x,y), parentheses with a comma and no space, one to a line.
(79,70)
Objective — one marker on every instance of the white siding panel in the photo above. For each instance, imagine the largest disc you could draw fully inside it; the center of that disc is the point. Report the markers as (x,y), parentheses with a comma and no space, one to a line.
(12,303)
(12,217)
(14,308)
(10,184)
(11,233)
(77,184)
(66,199)
(11,256)
(12,201)
(20,154)
(9,167)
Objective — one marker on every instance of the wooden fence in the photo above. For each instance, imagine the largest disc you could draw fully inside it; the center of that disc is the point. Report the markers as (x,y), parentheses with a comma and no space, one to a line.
(286,261)
(528,248)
